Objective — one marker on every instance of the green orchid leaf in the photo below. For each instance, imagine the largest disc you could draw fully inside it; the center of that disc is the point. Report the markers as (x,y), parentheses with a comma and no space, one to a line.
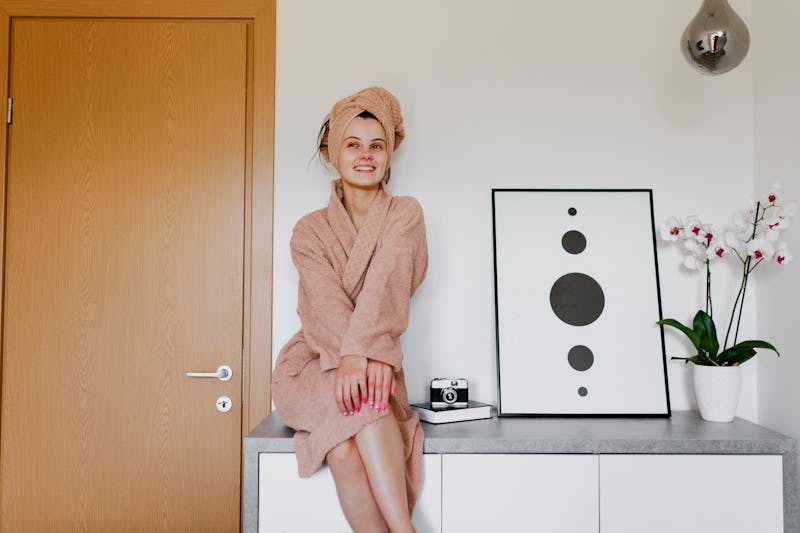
(698,325)
(759,344)
(736,355)
(699,359)
(743,359)
(743,352)
(693,337)
(704,326)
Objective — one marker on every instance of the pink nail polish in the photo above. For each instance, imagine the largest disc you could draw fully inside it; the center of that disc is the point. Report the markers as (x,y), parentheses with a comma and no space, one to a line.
(383,407)
(358,409)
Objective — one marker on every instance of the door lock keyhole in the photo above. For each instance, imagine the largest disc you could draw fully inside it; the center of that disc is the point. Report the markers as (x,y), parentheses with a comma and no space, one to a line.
(224,404)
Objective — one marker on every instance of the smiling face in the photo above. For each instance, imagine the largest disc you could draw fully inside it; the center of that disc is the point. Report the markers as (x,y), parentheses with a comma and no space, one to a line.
(363,158)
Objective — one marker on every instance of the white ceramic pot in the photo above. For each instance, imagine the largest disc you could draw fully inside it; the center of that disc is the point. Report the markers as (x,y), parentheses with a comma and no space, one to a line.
(716,389)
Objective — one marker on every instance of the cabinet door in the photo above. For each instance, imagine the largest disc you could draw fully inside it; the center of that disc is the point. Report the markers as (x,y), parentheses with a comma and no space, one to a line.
(289,504)
(487,492)
(691,493)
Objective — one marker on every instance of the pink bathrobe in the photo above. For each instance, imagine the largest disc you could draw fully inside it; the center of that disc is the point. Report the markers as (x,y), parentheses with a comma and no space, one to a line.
(353,299)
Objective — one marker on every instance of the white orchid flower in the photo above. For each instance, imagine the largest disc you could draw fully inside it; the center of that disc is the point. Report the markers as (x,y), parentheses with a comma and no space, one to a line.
(717,251)
(782,254)
(785,222)
(671,229)
(743,221)
(694,247)
(788,210)
(774,195)
(691,262)
(760,248)
(776,222)
(692,228)
(706,236)
(770,229)
(736,245)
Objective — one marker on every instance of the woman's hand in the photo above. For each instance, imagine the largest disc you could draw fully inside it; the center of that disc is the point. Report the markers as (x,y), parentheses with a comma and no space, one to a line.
(351,383)
(380,384)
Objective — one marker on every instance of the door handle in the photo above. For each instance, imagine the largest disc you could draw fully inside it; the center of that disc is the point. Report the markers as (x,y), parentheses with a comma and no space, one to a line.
(223,373)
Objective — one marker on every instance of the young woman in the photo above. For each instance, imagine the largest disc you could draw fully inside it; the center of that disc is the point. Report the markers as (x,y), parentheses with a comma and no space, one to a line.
(339,381)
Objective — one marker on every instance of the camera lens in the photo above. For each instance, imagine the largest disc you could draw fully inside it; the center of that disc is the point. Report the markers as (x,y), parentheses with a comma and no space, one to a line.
(449,395)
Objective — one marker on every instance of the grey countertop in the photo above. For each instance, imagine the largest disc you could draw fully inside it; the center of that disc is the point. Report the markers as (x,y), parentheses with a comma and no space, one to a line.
(683,433)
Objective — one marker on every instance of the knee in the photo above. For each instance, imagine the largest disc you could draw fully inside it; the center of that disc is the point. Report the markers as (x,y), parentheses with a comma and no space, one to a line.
(344,458)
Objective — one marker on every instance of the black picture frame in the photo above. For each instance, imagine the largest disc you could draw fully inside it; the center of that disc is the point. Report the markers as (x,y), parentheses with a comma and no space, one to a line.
(577,298)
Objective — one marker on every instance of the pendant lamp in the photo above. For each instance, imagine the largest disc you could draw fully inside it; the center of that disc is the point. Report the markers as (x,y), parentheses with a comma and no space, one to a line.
(716,40)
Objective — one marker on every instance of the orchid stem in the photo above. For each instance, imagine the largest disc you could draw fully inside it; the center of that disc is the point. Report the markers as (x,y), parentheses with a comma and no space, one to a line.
(738,304)
(739,296)
(741,304)
(709,304)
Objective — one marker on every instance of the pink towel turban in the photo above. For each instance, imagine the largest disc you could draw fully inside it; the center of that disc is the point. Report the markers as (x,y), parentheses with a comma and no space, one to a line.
(376,100)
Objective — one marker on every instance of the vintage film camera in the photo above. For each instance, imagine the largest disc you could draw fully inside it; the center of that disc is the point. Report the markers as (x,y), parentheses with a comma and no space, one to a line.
(447,393)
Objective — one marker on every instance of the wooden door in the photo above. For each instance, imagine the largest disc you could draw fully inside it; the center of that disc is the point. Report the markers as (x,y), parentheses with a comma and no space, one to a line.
(125,210)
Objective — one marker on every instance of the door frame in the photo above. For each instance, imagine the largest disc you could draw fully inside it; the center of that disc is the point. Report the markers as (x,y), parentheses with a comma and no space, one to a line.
(260,129)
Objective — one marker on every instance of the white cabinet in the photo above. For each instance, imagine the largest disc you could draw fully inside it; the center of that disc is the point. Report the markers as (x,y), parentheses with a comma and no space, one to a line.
(547,474)
(550,492)
(691,493)
(289,504)
(506,492)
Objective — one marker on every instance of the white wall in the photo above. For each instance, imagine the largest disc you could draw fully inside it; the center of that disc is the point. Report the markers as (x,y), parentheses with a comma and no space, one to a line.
(776,56)
(534,93)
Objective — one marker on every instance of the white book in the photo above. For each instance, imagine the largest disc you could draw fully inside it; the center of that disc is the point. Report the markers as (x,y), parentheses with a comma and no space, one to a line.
(473,411)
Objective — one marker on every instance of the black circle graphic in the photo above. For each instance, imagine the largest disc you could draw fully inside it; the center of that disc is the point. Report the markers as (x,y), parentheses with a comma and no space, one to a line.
(572,211)
(580,358)
(583,391)
(573,242)
(577,299)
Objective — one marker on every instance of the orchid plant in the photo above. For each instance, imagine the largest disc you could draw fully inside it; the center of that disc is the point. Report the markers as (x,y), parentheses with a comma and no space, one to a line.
(752,240)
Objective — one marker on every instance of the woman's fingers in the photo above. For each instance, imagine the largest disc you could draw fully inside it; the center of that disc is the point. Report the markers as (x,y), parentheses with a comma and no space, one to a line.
(392,385)
(386,385)
(362,392)
(354,399)
(380,384)
(338,391)
(351,396)
(380,401)
(370,386)
(347,395)
(349,384)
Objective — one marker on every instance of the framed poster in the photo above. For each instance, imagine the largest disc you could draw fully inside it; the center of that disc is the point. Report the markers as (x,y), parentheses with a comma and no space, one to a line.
(576,304)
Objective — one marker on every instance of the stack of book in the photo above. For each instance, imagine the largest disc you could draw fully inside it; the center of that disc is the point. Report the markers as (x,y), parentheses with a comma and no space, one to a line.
(473,411)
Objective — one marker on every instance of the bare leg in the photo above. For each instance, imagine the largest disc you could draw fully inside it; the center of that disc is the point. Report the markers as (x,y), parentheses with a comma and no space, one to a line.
(353,489)
(381,447)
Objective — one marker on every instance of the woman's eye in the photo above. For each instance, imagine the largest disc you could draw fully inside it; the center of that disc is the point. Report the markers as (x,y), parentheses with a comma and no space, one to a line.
(377,147)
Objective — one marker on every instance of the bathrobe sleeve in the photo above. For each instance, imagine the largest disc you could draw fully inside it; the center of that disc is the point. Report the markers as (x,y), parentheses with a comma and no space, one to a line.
(395,272)
(323,305)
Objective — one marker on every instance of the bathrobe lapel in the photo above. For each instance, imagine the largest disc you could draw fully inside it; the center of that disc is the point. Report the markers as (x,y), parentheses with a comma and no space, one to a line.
(364,241)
